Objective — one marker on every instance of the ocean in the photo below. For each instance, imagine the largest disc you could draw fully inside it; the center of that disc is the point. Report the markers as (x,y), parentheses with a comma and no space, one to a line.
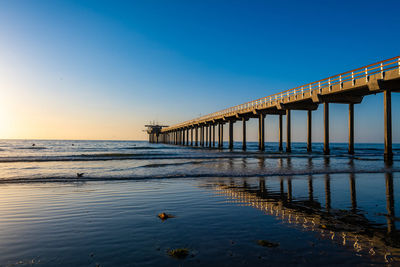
(230,208)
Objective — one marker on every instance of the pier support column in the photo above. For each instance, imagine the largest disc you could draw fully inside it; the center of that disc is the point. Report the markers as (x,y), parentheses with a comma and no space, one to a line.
(191,136)
(387,112)
(205,135)
(261,143)
(230,134)
(326,128)
(199,135)
(187,136)
(288,132)
(221,135)
(202,136)
(209,135)
(213,129)
(280,133)
(244,134)
(351,128)
(196,135)
(309,130)
(183,137)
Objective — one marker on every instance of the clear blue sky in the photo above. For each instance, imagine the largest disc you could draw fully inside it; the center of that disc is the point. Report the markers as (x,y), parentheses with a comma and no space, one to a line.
(102,69)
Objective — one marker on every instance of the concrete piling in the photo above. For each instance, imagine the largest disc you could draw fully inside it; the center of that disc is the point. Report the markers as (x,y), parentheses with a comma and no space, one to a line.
(288,132)
(261,141)
(280,133)
(309,130)
(230,134)
(326,128)
(351,128)
(244,134)
(387,113)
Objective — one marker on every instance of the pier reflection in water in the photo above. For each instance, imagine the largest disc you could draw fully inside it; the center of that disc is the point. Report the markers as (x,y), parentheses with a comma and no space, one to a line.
(357,226)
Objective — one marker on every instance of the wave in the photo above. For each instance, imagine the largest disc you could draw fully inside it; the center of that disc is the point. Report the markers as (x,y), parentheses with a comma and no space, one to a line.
(138,147)
(146,148)
(32,147)
(82,157)
(74,179)
(157,165)
(171,156)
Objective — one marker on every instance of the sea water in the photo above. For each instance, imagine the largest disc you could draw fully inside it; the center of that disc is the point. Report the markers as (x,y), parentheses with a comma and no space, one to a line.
(316,209)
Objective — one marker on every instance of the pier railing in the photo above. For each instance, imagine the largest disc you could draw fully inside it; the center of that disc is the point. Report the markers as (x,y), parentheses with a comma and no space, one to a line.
(353,75)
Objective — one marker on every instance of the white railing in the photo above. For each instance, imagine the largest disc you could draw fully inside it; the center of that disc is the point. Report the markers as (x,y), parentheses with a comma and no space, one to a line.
(353,75)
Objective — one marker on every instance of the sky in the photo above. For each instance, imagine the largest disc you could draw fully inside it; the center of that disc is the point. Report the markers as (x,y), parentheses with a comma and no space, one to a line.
(104,69)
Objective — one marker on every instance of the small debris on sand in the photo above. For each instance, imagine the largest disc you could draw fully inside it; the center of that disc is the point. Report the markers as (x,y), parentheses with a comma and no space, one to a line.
(266,243)
(164,216)
(179,253)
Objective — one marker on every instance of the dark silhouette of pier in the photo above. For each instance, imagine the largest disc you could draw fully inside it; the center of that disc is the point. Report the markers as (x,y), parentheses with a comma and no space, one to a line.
(346,88)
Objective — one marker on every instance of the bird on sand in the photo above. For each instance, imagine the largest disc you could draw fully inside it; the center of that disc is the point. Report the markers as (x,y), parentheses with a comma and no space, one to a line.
(80,174)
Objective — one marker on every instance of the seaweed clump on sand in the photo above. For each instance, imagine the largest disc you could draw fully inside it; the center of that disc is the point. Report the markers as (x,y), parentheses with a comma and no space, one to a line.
(179,253)
(266,243)
(164,216)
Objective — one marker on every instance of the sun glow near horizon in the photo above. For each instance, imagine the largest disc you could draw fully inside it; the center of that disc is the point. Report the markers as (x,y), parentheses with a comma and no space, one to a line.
(70,70)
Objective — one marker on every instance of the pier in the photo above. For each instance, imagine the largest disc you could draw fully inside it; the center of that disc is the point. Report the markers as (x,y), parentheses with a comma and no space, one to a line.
(347,88)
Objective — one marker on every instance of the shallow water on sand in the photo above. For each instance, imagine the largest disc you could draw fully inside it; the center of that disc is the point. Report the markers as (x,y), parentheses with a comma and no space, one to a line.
(320,210)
